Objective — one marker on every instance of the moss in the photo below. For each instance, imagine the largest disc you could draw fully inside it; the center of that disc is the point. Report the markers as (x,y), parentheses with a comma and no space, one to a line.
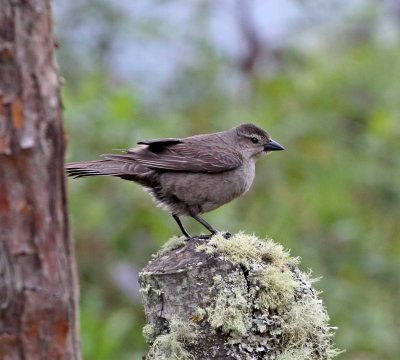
(171,346)
(174,243)
(276,289)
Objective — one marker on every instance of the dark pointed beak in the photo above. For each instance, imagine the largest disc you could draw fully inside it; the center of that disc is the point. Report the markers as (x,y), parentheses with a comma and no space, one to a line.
(273,146)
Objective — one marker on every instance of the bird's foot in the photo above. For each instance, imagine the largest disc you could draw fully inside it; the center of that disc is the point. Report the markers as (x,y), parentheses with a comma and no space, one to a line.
(198,237)
(204,237)
(226,235)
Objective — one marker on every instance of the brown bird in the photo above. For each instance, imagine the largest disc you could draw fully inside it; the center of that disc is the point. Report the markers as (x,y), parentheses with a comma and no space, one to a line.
(188,176)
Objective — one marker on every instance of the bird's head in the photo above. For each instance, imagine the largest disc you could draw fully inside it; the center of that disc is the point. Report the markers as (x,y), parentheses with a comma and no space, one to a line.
(255,141)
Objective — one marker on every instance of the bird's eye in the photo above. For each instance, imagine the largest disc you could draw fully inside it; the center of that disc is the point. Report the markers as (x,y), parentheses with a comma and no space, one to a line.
(254,140)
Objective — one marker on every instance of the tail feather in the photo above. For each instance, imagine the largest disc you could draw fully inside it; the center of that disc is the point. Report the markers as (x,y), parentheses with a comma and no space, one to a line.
(113,167)
(96,168)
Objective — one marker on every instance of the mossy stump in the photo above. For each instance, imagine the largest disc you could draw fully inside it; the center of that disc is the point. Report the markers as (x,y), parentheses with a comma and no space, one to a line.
(238,298)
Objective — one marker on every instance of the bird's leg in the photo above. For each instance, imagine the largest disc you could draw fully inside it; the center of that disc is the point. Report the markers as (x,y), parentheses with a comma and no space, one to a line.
(204,223)
(178,221)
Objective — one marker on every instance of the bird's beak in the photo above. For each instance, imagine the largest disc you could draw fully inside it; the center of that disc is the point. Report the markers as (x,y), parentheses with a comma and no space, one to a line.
(273,146)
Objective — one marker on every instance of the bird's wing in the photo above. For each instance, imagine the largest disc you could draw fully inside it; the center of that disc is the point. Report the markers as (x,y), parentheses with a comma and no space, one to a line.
(161,142)
(182,156)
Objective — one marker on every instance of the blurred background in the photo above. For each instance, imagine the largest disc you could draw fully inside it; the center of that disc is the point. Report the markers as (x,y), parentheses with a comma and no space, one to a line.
(321,76)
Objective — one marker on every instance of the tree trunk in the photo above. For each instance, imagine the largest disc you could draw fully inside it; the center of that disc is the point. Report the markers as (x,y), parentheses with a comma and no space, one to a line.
(38,285)
(238,298)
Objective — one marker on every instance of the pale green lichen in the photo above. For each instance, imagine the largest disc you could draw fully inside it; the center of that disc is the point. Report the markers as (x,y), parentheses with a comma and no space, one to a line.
(276,254)
(217,279)
(230,310)
(301,320)
(296,354)
(306,353)
(200,314)
(145,289)
(149,333)
(150,289)
(279,303)
(306,330)
(174,243)
(238,249)
(331,351)
(309,278)
(171,346)
(276,289)
(247,250)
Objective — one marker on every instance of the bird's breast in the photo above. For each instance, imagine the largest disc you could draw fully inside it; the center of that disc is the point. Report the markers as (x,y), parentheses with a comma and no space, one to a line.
(207,191)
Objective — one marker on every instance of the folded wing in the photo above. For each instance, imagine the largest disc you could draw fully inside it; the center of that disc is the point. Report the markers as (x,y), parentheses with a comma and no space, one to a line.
(182,155)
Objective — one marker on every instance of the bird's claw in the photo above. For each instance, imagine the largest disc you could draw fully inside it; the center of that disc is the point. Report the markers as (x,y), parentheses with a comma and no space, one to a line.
(226,235)
(204,237)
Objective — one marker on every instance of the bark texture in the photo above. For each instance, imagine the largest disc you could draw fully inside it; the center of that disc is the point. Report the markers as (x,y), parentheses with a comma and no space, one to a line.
(38,288)
(239,298)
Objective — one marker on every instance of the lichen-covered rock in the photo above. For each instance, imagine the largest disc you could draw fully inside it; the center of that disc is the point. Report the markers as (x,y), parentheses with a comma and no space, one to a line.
(238,298)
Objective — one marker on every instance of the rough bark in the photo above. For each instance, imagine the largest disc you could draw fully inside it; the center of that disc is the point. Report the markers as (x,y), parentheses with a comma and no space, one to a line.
(240,298)
(38,288)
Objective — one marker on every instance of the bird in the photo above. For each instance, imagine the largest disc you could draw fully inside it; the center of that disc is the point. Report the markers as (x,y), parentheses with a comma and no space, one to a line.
(188,176)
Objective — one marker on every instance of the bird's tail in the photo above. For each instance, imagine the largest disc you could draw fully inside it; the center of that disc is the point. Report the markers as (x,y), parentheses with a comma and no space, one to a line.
(97,168)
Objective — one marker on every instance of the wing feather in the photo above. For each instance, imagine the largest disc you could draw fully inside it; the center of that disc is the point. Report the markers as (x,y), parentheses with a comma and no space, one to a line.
(185,155)
(161,142)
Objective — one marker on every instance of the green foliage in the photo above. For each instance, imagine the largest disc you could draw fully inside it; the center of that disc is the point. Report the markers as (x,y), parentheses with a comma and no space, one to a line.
(332,197)
(103,331)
